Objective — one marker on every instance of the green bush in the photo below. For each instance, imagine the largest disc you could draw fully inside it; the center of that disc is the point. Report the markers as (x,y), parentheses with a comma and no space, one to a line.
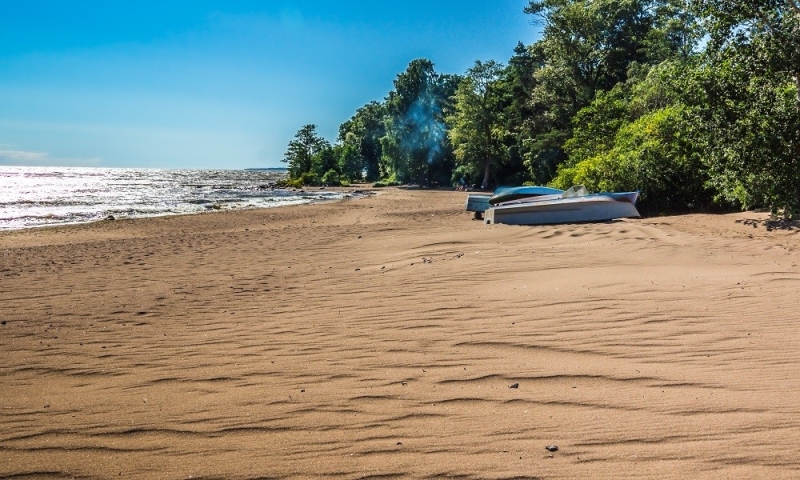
(331,178)
(390,181)
(650,155)
(309,178)
(295,183)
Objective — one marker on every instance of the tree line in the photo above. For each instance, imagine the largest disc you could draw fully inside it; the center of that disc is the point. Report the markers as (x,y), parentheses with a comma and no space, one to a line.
(694,103)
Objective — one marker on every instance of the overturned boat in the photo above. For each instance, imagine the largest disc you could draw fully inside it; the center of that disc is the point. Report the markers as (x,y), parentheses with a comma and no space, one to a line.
(479,202)
(509,194)
(574,205)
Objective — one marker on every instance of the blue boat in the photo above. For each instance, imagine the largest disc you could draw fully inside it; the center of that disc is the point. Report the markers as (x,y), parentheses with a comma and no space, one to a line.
(480,202)
(508,194)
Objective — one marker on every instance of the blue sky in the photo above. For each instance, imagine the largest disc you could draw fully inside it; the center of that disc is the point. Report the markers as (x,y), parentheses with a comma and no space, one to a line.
(218,84)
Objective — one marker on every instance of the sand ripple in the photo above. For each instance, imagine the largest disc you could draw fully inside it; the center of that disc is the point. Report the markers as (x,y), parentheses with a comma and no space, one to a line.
(379,338)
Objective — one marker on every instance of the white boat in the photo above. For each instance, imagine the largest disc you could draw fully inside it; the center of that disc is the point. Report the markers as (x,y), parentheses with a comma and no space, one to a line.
(575,205)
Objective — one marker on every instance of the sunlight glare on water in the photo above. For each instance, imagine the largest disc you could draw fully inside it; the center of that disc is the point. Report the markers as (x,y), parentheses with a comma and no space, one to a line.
(41,196)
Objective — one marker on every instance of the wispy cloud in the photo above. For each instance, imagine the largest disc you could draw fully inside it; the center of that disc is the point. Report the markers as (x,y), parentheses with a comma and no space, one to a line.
(27,158)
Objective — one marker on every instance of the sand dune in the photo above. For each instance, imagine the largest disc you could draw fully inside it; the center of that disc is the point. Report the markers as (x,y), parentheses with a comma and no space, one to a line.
(380,338)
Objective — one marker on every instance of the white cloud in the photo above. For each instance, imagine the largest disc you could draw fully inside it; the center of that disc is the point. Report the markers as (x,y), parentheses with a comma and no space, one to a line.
(26,158)
(21,156)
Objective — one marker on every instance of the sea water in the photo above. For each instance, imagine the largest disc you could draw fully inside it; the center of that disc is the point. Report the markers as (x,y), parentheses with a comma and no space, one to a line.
(43,196)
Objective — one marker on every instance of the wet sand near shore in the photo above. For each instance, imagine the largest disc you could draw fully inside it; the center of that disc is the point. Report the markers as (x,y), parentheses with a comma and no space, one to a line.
(395,337)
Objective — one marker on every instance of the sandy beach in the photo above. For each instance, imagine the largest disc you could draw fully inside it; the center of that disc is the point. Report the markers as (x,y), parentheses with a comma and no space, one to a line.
(395,337)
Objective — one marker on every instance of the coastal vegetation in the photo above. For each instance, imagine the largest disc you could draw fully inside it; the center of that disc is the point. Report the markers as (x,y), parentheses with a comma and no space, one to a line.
(694,103)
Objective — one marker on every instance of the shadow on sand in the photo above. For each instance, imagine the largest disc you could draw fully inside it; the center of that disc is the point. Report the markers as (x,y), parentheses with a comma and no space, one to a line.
(772,224)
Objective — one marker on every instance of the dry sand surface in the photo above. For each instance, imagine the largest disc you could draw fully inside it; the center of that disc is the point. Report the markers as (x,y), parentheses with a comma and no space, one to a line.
(395,337)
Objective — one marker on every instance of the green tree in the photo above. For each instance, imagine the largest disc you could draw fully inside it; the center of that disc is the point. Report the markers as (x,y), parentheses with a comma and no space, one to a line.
(675,33)
(516,87)
(364,131)
(592,42)
(639,136)
(301,151)
(476,127)
(324,160)
(415,144)
(750,107)
(351,163)
(440,169)
(587,47)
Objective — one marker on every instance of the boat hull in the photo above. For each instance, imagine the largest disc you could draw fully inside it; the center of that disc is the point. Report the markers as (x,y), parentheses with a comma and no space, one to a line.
(593,208)
(478,203)
(507,194)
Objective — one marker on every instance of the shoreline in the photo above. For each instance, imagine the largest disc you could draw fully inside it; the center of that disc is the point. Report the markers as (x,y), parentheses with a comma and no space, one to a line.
(347,192)
(385,337)
(35,197)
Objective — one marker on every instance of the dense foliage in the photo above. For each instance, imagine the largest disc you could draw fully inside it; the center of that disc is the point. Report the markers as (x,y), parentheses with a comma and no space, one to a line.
(694,103)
